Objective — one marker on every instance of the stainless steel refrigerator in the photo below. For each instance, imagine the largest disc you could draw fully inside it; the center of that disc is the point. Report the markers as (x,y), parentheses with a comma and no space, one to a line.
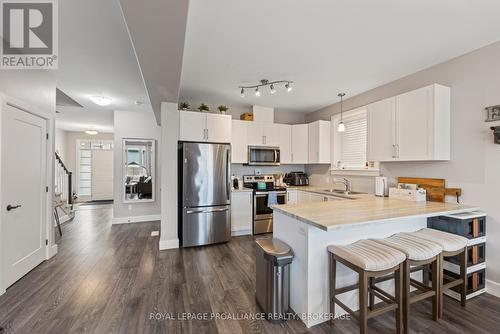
(204,193)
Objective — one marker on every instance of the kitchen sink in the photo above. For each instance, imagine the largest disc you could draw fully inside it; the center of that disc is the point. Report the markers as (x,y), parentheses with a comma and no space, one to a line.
(341,192)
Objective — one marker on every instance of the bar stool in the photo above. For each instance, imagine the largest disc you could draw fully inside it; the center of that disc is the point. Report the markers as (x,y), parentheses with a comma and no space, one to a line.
(419,253)
(370,260)
(452,245)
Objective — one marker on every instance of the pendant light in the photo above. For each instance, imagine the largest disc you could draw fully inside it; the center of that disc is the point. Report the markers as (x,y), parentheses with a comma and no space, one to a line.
(341,127)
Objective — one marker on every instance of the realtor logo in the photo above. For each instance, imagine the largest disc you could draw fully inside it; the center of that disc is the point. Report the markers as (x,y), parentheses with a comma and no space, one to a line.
(29,34)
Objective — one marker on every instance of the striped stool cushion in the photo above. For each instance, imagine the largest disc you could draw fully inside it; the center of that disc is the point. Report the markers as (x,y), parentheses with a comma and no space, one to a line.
(448,241)
(415,248)
(369,255)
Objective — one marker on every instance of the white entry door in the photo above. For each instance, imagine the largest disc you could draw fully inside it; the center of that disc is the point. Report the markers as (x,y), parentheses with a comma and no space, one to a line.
(23,203)
(102,175)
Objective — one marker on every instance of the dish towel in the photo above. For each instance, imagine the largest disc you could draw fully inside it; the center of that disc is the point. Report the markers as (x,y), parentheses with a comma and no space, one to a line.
(272,198)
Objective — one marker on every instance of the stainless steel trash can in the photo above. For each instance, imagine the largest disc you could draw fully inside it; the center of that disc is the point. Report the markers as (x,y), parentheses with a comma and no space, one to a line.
(273,258)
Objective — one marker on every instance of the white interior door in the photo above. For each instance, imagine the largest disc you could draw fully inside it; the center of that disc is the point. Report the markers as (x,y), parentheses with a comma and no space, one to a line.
(102,175)
(23,192)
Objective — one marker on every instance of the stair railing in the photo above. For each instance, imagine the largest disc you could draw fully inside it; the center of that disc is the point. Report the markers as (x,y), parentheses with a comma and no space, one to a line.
(63,181)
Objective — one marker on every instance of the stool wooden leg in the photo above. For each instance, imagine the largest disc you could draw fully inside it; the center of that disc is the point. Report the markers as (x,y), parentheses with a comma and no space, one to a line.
(333,276)
(435,287)
(406,296)
(363,299)
(439,280)
(463,276)
(398,294)
(371,282)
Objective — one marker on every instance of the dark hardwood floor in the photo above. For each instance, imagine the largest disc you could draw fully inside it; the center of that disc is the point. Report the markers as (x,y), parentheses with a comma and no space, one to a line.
(112,279)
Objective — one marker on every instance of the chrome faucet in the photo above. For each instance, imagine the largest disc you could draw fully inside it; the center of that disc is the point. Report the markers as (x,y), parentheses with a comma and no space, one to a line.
(345,182)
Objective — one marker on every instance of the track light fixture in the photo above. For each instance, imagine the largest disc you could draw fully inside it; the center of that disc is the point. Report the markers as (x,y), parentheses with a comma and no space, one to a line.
(264,83)
(272,89)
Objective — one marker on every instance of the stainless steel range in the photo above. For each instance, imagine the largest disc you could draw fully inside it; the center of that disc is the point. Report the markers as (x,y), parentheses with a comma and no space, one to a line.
(262,185)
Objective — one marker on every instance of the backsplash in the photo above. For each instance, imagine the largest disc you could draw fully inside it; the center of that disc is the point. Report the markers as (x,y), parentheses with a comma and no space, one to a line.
(239,169)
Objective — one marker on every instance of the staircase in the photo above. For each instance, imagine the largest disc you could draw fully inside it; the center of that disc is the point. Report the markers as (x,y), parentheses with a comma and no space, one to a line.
(63,191)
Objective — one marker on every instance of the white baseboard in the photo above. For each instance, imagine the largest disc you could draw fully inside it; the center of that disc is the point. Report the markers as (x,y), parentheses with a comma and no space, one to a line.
(135,219)
(237,233)
(169,244)
(52,251)
(493,288)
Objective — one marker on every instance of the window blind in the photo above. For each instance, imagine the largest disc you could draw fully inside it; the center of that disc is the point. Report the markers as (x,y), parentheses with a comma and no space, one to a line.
(353,141)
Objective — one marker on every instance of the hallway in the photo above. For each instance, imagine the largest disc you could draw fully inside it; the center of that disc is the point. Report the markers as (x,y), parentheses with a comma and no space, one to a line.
(112,279)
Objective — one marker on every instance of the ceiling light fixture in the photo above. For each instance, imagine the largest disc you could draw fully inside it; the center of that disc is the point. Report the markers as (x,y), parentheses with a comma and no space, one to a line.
(341,127)
(91,132)
(100,100)
(257,93)
(265,83)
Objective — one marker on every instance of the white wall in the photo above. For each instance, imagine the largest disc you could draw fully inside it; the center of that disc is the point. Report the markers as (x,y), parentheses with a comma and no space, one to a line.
(60,143)
(475,161)
(137,125)
(169,137)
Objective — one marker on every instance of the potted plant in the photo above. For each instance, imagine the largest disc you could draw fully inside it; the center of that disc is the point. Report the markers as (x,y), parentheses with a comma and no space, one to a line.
(184,106)
(203,108)
(222,109)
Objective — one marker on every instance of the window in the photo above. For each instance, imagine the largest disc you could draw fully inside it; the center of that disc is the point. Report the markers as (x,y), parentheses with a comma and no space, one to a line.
(349,150)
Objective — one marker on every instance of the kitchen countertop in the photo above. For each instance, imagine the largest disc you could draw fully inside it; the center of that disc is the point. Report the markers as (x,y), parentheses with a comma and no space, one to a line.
(321,190)
(365,209)
(241,190)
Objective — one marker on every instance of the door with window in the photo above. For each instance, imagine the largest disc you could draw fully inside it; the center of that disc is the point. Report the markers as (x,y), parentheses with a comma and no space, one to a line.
(94,170)
(23,191)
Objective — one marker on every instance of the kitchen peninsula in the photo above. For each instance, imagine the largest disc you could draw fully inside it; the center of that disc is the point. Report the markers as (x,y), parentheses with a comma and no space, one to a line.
(310,227)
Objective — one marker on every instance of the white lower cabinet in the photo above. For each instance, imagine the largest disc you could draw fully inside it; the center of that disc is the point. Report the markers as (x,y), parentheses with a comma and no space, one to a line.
(241,212)
(291,196)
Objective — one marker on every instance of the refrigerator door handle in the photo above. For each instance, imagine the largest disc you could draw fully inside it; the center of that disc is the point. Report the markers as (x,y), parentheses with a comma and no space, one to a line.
(189,212)
(228,179)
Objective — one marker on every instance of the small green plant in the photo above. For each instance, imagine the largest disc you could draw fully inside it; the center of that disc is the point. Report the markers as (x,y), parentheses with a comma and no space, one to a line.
(203,107)
(222,109)
(184,106)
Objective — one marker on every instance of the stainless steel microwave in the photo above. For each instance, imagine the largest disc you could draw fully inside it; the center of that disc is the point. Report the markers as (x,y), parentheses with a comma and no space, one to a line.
(263,156)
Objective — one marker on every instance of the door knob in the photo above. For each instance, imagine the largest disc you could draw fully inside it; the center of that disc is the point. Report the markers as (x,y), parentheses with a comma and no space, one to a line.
(12,207)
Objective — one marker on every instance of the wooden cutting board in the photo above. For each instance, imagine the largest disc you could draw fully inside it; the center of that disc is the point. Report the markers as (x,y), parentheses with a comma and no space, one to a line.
(436,188)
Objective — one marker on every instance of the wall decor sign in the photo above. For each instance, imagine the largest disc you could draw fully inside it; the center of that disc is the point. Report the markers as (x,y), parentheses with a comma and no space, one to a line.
(493,113)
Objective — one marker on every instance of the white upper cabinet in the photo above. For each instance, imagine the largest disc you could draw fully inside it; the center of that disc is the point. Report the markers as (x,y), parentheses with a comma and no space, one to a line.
(285,143)
(192,126)
(300,144)
(319,141)
(199,127)
(239,145)
(411,127)
(271,133)
(219,128)
(381,130)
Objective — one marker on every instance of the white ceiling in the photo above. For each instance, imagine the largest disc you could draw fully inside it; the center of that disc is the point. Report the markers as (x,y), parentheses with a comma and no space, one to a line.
(325,46)
(96,57)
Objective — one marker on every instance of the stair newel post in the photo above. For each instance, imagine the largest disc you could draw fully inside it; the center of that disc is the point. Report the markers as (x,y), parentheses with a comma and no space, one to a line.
(70,189)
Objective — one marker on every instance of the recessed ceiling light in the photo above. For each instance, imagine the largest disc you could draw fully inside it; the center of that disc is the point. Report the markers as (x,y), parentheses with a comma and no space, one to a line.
(91,132)
(138,103)
(100,100)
